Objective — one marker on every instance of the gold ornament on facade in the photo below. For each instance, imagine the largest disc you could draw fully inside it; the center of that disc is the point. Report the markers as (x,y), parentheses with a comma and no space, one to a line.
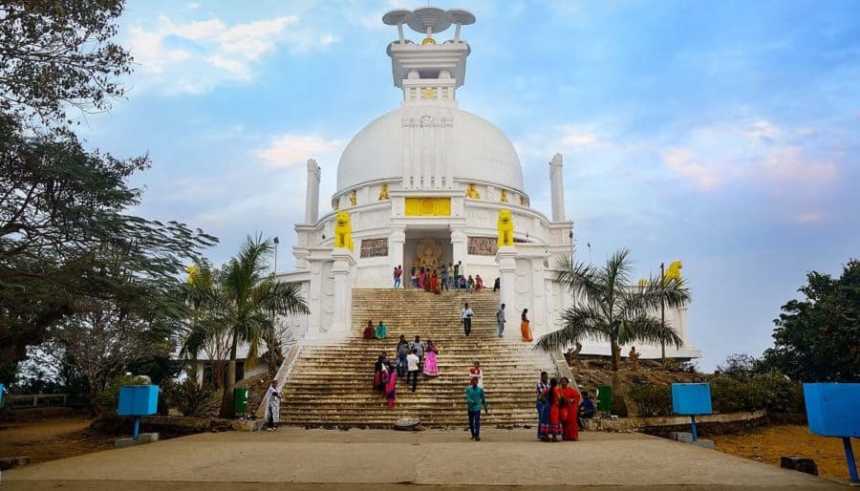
(428,93)
(383,192)
(343,231)
(353,199)
(335,204)
(472,192)
(522,200)
(505,225)
(504,196)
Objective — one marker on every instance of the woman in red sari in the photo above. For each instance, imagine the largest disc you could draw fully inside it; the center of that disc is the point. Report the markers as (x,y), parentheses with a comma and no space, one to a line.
(569,406)
(554,400)
(434,283)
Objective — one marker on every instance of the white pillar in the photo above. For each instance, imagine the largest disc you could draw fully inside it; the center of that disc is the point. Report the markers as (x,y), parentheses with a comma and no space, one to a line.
(538,308)
(342,272)
(312,195)
(395,248)
(506,257)
(459,247)
(556,179)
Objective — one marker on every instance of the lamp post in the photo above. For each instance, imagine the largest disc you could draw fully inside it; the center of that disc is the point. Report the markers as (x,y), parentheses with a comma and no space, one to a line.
(276,242)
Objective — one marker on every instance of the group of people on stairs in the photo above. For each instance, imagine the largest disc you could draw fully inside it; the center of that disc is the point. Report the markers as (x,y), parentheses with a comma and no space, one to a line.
(436,280)
(378,332)
(413,358)
(467,314)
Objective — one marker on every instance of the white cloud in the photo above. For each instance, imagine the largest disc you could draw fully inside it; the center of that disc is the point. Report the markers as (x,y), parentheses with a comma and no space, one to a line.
(758,151)
(196,56)
(809,217)
(290,149)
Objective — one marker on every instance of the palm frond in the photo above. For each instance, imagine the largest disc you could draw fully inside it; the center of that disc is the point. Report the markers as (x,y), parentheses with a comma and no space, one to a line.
(579,323)
(647,329)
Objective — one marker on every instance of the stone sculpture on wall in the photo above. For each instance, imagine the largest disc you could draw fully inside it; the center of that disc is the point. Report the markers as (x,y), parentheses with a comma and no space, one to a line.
(472,192)
(374,247)
(383,192)
(343,231)
(483,246)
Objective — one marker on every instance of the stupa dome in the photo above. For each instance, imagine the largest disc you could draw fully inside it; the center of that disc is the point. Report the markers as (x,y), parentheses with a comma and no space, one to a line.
(476,151)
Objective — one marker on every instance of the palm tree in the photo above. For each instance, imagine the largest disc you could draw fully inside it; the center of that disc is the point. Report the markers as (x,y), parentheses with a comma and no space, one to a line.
(608,307)
(206,330)
(252,300)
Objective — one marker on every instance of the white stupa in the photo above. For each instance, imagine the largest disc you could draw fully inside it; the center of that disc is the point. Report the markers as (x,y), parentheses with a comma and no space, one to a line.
(423,185)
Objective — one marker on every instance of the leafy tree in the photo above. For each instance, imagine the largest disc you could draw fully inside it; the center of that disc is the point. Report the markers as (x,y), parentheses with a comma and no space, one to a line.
(740,366)
(818,338)
(608,307)
(253,299)
(56,54)
(206,330)
(61,206)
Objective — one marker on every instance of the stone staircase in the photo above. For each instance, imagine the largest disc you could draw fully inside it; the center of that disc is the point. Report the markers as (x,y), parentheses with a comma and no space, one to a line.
(331,384)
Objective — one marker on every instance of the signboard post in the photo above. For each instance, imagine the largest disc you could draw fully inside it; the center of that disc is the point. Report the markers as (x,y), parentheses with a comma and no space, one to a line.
(691,400)
(137,401)
(831,410)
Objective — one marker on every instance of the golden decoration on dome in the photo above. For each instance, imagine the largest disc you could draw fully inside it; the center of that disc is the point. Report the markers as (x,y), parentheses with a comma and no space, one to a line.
(427,40)
(472,192)
(504,196)
(353,198)
(428,92)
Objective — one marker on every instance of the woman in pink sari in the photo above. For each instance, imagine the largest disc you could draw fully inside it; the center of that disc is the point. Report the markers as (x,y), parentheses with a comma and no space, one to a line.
(431,366)
(391,386)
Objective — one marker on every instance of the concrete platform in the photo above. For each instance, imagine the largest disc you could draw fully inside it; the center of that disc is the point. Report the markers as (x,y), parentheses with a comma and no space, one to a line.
(388,460)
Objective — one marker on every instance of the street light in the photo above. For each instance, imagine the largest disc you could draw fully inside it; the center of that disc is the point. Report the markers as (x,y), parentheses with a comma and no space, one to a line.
(276,241)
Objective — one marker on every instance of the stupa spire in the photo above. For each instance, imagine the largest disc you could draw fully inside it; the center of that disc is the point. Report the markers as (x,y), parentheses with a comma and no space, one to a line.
(428,72)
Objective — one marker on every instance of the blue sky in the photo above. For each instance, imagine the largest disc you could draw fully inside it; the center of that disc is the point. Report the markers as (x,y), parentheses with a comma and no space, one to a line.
(725,134)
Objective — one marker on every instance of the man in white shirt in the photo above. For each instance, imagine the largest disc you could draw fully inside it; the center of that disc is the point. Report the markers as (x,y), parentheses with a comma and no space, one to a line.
(467,319)
(412,367)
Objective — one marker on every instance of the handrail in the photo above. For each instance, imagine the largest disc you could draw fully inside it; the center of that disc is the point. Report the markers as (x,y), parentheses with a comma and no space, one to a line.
(12,399)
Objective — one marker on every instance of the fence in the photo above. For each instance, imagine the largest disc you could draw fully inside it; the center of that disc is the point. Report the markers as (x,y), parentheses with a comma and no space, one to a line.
(22,401)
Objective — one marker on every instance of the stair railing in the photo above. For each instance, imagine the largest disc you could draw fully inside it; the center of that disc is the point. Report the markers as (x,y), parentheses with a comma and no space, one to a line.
(290,357)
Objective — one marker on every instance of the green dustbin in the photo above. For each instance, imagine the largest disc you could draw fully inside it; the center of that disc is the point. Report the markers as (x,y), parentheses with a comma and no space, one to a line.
(240,401)
(604,398)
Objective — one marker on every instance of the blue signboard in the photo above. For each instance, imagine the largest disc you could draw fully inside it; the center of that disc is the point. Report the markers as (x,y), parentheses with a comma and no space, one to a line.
(691,399)
(833,409)
(137,400)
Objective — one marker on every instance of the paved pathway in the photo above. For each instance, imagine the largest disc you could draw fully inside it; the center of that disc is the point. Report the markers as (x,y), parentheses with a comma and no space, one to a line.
(387,460)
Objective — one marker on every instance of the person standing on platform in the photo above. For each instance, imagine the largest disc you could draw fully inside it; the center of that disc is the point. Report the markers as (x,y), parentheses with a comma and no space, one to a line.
(568,415)
(413,366)
(458,271)
(542,404)
(414,278)
(479,283)
(554,400)
(475,400)
(470,284)
(444,277)
(500,321)
(398,273)
(273,408)
(497,285)
(467,315)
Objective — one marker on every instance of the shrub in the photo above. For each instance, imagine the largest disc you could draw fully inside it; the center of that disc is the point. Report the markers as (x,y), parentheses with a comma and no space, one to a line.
(192,399)
(771,391)
(651,400)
